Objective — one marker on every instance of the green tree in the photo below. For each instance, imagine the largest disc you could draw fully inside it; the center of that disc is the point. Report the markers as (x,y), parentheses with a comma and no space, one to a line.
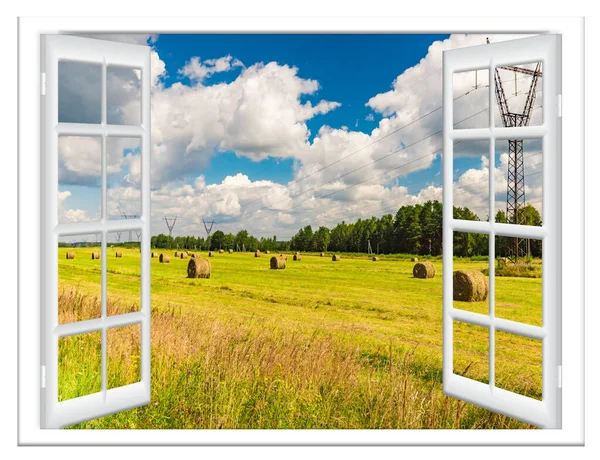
(322,238)
(217,239)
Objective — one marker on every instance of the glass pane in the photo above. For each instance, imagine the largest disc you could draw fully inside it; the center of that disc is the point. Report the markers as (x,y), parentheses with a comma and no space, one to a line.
(79,92)
(470,186)
(79,365)
(123,272)
(471,351)
(470,277)
(519,182)
(519,282)
(523,97)
(123,96)
(123,355)
(79,179)
(470,94)
(124,167)
(518,364)
(79,278)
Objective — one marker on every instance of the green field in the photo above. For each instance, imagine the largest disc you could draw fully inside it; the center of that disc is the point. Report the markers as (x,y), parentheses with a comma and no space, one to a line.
(321,344)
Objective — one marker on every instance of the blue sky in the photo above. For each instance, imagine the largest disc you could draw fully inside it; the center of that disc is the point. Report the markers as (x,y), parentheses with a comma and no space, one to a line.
(274,132)
(350,69)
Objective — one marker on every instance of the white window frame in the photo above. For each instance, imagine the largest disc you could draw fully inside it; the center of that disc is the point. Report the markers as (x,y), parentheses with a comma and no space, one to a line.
(29,432)
(55,414)
(546,49)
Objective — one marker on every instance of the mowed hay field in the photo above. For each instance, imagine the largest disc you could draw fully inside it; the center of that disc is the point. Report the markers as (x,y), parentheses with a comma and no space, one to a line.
(320,344)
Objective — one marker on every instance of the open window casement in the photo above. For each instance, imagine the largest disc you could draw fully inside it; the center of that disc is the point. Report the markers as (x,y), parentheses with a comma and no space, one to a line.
(511,126)
(105,57)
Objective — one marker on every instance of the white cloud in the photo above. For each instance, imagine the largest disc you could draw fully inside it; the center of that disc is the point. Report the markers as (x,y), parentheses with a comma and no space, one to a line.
(197,70)
(261,114)
(67,215)
(257,115)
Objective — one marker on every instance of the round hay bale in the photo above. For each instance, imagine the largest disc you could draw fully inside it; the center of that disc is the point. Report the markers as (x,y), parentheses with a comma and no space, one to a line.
(164,259)
(424,270)
(231,251)
(322,254)
(414,259)
(267,252)
(176,254)
(277,263)
(284,256)
(95,256)
(70,255)
(154,255)
(183,255)
(198,268)
(297,257)
(375,259)
(257,253)
(221,251)
(502,262)
(192,255)
(336,258)
(470,286)
(296,253)
(211,254)
(118,254)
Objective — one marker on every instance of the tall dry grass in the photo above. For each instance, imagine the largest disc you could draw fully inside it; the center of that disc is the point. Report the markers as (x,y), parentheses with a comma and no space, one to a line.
(210,373)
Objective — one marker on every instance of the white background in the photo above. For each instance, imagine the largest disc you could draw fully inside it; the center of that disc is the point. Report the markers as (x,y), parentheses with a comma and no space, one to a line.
(573,182)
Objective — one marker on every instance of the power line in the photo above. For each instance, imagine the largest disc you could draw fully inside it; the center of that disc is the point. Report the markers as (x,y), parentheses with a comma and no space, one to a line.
(363,147)
(359,168)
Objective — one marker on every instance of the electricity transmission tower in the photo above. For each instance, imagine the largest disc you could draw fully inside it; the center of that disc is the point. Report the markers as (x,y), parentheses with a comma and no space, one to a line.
(515,194)
(130,216)
(208,226)
(118,236)
(170,221)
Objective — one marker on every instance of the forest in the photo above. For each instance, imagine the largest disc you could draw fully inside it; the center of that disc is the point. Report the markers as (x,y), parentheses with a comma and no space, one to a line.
(414,229)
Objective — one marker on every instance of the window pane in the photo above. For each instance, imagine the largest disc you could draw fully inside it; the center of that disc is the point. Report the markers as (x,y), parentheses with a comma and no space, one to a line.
(123,366)
(519,282)
(519,182)
(518,364)
(470,277)
(123,272)
(79,179)
(79,365)
(79,92)
(124,167)
(522,86)
(471,351)
(470,186)
(123,96)
(471,99)
(79,278)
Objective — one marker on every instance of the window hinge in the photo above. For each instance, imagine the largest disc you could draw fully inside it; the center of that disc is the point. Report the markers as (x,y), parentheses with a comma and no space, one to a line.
(43,83)
(559,376)
(559,106)
(43,376)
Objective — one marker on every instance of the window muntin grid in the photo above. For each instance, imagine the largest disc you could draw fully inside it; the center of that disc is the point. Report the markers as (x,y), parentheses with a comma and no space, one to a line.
(58,48)
(545,413)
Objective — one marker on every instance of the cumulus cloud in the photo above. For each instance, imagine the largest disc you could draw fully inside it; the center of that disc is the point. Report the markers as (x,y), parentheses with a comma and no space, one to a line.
(340,174)
(68,215)
(197,70)
(258,115)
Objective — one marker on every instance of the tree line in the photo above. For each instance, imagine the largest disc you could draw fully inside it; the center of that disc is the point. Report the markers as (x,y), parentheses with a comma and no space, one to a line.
(414,229)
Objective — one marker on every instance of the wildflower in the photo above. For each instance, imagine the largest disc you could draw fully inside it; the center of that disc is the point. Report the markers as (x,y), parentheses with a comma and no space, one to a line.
(189,371)
(156,403)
